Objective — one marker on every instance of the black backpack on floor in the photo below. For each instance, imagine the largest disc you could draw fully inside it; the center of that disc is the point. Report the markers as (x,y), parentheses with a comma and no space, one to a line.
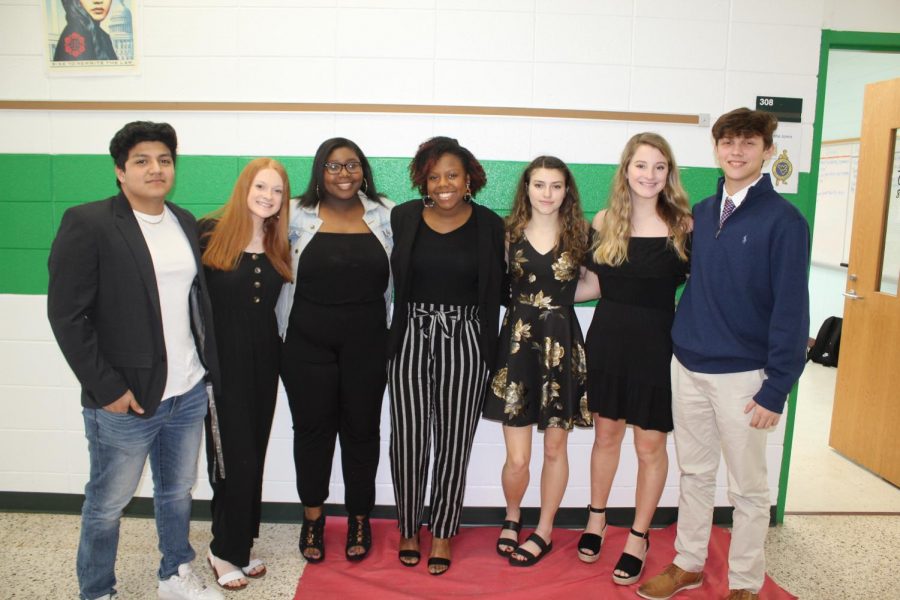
(827,346)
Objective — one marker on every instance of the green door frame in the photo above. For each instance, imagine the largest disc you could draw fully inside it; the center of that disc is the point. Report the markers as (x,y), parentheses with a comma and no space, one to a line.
(831,40)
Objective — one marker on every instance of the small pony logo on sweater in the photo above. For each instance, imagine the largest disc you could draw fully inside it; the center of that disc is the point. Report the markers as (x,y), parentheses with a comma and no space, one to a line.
(744,241)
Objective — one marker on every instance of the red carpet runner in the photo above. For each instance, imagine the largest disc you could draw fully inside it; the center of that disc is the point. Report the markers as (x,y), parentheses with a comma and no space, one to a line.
(478,572)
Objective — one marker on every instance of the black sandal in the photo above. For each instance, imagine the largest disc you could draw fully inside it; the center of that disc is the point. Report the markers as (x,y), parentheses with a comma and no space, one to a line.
(531,559)
(630,564)
(312,537)
(359,533)
(591,541)
(438,561)
(409,553)
(510,543)
(413,556)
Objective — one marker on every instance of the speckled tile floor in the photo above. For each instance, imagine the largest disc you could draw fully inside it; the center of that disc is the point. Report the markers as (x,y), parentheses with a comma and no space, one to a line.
(814,557)
(37,552)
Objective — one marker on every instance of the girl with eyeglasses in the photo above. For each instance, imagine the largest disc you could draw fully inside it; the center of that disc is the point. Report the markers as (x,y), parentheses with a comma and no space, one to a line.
(333,320)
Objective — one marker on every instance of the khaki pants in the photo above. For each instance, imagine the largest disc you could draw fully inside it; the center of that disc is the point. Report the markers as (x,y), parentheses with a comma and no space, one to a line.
(708,412)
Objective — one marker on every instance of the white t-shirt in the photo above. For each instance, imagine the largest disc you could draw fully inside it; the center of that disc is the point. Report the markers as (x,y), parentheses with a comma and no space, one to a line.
(173,264)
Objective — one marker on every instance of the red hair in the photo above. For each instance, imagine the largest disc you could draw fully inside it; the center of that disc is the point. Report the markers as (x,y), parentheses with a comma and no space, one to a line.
(235,227)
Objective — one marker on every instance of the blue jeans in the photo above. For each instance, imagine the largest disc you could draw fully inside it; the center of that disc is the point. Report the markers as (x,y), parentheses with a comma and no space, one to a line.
(118,445)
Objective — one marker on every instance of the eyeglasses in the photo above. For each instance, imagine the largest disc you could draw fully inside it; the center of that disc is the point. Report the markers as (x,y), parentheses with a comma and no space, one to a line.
(335,167)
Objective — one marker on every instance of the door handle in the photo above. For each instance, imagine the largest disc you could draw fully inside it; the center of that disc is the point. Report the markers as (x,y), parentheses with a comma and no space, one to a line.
(852,295)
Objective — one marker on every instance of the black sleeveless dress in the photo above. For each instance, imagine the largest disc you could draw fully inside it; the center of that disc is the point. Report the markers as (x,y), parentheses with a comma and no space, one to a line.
(629,342)
(541,372)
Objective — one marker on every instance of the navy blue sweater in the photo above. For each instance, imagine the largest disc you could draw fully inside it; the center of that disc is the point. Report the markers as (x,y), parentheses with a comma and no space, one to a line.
(746,304)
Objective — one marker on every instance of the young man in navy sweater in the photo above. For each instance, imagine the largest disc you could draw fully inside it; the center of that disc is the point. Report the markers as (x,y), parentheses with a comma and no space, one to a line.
(739,342)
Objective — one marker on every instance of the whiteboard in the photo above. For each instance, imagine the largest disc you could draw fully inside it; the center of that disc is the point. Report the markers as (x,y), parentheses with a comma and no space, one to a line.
(834,202)
(835,197)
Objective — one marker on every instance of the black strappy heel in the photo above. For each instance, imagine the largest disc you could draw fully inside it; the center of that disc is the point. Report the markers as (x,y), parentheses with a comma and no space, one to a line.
(359,533)
(312,537)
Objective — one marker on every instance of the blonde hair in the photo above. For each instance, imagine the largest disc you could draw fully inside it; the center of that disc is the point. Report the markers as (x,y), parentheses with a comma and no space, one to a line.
(573,229)
(611,245)
(235,227)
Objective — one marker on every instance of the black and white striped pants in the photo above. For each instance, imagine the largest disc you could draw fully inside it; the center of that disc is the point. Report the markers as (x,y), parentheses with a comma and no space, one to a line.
(437,382)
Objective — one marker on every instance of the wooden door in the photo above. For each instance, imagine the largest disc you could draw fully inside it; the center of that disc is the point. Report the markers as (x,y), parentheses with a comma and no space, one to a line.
(865,424)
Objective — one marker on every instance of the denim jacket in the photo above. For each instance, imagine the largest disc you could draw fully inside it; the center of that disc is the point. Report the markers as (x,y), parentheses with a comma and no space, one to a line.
(305,223)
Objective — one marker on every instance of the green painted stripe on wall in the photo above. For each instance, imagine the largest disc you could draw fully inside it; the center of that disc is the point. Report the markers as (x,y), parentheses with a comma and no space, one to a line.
(37,189)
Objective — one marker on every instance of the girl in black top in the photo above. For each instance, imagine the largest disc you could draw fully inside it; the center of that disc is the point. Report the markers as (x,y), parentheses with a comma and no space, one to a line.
(640,255)
(334,323)
(448,272)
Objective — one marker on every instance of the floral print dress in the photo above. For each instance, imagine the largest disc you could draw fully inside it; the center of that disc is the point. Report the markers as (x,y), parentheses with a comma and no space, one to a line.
(541,370)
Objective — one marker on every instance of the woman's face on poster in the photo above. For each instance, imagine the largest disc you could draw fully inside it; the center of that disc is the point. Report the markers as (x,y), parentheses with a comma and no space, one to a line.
(98,9)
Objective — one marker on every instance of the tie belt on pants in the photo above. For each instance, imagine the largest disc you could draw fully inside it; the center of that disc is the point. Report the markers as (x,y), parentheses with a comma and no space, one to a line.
(440,319)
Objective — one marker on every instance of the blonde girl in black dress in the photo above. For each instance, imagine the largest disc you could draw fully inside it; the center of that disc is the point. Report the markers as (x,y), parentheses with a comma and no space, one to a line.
(640,254)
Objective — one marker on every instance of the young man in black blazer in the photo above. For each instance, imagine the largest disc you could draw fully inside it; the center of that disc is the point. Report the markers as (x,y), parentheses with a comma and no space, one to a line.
(128,306)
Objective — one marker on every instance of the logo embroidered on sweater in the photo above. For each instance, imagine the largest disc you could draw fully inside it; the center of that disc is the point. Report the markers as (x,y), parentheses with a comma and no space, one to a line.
(782,168)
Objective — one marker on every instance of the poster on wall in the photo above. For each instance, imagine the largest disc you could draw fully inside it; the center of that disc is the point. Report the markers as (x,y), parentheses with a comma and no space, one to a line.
(90,36)
(788,140)
(783,165)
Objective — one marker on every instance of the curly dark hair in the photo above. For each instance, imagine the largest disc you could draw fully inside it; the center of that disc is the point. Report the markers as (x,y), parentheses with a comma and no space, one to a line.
(430,151)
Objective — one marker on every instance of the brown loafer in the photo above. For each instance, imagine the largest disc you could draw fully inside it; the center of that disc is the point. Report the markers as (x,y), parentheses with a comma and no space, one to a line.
(742,595)
(672,580)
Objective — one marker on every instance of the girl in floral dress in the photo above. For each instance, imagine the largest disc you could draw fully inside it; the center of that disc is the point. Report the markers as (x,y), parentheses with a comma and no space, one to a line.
(540,376)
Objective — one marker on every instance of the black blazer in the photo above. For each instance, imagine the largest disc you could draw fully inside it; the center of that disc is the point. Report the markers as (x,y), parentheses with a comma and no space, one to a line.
(103,304)
(492,282)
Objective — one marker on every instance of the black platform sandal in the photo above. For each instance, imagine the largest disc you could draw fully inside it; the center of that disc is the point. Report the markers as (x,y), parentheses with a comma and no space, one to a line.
(312,537)
(359,533)
(506,546)
(531,559)
(591,541)
(631,565)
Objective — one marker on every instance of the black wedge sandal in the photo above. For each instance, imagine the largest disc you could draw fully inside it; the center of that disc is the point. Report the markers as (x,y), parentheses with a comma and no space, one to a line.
(359,533)
(312,537)
(591,541)
(630,564)
(506,546)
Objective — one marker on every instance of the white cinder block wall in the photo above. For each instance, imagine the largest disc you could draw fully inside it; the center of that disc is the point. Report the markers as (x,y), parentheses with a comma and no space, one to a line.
(700,56)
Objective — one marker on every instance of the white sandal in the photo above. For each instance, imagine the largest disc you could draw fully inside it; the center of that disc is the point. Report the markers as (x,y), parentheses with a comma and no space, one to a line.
(255,563)
(229,577)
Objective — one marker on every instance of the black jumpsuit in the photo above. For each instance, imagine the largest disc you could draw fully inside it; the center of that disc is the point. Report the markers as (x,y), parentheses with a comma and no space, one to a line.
(243,302)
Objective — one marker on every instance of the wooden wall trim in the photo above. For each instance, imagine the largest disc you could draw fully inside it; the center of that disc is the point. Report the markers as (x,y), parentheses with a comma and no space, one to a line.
(342,107)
